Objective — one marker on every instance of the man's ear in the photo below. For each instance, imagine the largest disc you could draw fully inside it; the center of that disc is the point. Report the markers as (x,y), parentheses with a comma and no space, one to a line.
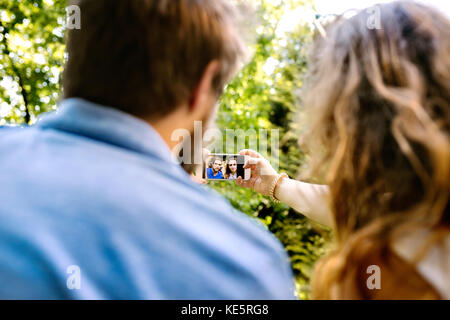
(202,94)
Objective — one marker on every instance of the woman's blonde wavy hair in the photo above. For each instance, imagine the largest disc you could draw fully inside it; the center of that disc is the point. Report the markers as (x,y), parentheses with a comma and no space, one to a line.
(382,101)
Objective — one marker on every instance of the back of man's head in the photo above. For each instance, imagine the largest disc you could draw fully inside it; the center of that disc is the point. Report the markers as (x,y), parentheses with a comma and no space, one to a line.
(146,57)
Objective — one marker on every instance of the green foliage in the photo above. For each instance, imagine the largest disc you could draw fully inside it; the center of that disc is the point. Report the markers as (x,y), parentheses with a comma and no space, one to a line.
(261,96)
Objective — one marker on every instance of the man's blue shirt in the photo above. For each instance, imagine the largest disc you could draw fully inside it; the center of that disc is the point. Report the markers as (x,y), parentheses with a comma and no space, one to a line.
(92,187)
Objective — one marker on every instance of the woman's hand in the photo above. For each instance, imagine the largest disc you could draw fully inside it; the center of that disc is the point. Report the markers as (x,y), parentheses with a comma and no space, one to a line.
(262,173)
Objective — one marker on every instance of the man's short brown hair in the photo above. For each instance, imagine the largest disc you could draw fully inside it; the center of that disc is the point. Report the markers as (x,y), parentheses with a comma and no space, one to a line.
(146,57)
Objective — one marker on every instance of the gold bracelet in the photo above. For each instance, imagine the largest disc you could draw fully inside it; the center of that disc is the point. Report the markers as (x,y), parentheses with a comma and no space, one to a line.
(274,186)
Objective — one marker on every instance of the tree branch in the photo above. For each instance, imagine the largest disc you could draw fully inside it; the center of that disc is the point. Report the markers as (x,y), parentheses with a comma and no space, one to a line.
(24,93)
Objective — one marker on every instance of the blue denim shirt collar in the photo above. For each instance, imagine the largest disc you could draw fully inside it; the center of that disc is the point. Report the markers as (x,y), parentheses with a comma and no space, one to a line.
(108,125)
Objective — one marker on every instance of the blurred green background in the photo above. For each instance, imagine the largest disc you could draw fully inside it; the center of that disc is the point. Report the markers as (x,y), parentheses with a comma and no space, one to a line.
(264,95)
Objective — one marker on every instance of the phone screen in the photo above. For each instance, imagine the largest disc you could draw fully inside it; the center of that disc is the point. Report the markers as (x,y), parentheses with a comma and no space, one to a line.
(224,167)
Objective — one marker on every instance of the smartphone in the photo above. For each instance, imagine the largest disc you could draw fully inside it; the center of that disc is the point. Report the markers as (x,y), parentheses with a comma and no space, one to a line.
(225,167)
